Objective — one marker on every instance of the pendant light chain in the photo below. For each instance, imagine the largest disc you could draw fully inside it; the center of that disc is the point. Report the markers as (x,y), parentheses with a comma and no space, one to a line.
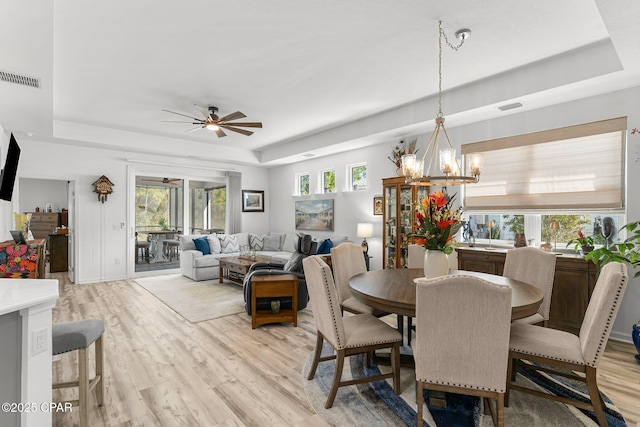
(441,31)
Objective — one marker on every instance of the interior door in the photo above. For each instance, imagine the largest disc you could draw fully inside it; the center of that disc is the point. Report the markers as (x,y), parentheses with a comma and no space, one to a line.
(71,205)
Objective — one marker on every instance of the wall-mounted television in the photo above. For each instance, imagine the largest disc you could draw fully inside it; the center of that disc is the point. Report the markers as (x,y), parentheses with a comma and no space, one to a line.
(8,175)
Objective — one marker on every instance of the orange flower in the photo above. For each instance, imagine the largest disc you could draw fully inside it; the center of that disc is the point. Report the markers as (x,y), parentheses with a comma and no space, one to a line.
(420,241)
(445,223)
(438,198)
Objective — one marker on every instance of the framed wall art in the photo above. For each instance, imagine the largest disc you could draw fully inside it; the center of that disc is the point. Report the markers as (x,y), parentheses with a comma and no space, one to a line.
(252,201)
(378,207)
(315,215)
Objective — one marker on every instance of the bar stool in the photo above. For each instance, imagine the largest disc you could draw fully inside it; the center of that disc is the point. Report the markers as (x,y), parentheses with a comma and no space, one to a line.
(79,336)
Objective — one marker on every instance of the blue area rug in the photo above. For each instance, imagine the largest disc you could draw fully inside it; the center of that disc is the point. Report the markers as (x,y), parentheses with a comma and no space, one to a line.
(375,404)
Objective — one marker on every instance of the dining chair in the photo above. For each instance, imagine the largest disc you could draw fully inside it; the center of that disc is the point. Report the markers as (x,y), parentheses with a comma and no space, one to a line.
(142,249)
(347,260)
(535,267)
(563,352)
(462,339)
(350,335)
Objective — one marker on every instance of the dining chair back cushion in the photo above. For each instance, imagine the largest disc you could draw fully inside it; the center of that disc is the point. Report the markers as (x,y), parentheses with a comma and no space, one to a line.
(602,311)
(324,300)
(415,258)
(535,267)
(347,260)
(462,332)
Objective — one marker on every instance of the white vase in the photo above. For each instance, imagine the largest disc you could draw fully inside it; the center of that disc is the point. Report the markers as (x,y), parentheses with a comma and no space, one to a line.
(435,264)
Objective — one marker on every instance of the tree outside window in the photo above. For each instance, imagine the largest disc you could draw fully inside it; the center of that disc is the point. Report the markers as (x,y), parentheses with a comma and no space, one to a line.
(303,184)
(328,181)
(358,176)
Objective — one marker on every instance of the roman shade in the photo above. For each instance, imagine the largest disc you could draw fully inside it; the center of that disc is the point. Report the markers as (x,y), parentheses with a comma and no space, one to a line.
(573,168)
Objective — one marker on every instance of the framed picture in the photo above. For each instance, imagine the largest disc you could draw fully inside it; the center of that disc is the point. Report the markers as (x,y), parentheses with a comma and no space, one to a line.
(252,201)
(378,207)
(316,215)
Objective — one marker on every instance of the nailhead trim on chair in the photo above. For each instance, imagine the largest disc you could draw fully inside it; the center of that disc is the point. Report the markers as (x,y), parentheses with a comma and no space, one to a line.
(461,385)
(603,343)
(331,307)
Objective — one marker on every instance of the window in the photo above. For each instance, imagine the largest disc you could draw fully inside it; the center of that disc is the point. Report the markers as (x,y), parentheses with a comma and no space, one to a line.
(357,174)
(328,181)
(576,167)
(302,184)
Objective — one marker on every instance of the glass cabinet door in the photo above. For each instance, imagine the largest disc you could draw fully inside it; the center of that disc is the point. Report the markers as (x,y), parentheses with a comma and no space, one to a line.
(390,226)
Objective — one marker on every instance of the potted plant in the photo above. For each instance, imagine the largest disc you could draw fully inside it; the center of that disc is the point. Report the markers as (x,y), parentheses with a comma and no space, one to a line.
(627,251)
(582,244)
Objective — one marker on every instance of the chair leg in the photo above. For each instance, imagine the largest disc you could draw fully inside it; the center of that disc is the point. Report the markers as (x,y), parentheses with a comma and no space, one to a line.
(337,376)
(83,386)
(509,379)
(100,371)
(419,402)
(594,395)
(316,357)
(395,366)
(500,405)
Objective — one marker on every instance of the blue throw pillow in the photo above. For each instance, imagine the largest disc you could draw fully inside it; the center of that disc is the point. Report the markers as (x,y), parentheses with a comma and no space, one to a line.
(325,247)
(202,244)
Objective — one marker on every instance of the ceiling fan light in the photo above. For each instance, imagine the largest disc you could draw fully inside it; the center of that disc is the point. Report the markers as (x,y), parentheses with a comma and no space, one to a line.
(212,127)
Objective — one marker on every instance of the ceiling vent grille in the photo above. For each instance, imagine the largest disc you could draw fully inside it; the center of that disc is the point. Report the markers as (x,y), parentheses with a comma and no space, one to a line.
(510,106)
(19,79)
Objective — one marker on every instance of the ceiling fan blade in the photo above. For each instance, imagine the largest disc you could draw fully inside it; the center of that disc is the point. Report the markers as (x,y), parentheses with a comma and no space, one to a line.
(191,130)
(220,133)
(203,110)
(247,124)
(184,115)
(242,131)
(232,116)
(199,122)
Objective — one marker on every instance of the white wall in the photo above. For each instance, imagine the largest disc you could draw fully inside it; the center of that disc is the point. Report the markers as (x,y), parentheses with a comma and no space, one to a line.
(353,208)
(38,192)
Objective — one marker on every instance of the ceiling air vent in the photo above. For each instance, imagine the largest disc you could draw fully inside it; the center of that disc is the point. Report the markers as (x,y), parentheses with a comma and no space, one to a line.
(19,79)
(510,106)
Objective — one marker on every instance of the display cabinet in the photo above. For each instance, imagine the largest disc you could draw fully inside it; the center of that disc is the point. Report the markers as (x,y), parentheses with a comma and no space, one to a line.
(400,200)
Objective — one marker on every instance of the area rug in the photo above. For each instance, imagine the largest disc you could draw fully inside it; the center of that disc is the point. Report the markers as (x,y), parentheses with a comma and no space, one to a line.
(375,404)
(195,301)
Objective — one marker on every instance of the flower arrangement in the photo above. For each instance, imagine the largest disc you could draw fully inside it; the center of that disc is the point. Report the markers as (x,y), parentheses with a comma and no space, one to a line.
(437,222)
(581,242)
(400,150)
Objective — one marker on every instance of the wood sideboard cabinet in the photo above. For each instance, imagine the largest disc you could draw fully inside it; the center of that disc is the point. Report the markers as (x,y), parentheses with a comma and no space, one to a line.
(43,223)
(572,285)
(58,253)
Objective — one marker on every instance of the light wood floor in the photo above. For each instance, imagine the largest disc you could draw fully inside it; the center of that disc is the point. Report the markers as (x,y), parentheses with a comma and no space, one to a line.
(162,370)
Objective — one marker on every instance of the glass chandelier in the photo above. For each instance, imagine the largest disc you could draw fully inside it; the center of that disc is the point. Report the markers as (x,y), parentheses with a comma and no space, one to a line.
(451,174)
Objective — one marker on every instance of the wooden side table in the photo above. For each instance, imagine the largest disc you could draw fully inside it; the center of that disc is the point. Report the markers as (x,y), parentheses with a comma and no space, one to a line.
(271,286)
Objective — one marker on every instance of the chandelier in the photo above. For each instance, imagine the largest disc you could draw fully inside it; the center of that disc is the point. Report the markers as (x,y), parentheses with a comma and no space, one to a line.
(413,170)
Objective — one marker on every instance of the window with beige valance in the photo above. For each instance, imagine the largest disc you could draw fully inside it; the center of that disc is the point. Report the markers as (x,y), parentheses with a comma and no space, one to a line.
(572,168)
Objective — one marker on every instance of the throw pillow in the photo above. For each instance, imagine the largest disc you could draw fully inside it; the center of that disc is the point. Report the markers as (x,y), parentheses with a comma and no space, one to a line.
(214,244)
(294,263)
(289,244)
(271,243)
(202,245)
(242,239)
(325,247)
(256,242)
(228,244)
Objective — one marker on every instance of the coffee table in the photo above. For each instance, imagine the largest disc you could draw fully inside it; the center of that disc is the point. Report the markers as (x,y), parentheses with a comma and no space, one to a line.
(234,268)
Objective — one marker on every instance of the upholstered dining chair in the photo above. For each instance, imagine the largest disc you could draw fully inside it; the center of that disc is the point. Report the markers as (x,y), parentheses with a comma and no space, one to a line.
(350,335)
(535,267)
(565,351)
(467,352)
(142,249)
(347,260)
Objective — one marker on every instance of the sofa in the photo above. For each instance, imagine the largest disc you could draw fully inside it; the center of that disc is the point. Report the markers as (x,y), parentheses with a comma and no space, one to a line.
(198,266)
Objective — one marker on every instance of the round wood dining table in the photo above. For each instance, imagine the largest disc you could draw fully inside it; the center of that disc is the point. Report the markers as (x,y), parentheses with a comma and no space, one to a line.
(394,291)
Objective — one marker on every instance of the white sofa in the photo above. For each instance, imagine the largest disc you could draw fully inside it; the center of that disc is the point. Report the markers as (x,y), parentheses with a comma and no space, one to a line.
(197,266)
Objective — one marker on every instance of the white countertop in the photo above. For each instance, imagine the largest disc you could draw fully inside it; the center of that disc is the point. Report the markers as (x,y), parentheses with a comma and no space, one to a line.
(17,294)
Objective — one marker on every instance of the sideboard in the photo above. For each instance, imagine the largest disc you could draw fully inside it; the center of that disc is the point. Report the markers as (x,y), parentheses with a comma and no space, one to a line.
(572,285)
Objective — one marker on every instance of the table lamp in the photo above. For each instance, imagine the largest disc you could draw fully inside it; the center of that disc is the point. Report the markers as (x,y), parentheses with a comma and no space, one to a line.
(365,229)
(490,225)
(555,225)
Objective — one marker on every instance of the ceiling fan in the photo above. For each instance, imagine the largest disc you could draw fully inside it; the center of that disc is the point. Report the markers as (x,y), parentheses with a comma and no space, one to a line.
(163,180)
(213,122)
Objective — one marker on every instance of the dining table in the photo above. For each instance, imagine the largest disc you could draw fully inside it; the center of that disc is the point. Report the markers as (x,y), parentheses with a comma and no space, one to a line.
(157,238)
(394,291)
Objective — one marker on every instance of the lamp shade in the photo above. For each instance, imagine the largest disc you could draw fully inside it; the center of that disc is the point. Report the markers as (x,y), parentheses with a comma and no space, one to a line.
(365,229)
